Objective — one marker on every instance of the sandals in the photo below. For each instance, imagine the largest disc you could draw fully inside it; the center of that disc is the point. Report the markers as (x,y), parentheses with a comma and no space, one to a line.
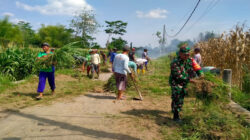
(39,97)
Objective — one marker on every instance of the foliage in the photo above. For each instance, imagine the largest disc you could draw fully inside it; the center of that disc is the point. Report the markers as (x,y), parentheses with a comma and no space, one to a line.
(246,80)
(56,35)
(5,82)
(206,36)
(18,63)
(116,27)
(9,32)
(241,98)
(117,43)
(95,45)
(84,25)
(209,89)
(28,35)
(111,84)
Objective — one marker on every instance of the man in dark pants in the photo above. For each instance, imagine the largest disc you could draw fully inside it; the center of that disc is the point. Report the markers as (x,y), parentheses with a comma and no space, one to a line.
(46,72)
(183,69)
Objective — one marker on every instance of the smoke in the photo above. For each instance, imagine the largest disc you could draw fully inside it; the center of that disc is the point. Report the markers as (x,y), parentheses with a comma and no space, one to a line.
(156,52)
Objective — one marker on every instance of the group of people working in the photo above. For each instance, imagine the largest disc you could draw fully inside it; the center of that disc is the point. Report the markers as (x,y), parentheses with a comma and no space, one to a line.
(183,69)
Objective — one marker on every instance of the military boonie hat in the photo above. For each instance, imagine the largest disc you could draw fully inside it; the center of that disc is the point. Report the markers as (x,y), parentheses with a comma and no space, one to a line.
(184,49)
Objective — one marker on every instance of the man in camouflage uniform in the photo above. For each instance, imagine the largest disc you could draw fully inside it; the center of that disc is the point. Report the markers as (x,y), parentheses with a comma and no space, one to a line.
(183,68)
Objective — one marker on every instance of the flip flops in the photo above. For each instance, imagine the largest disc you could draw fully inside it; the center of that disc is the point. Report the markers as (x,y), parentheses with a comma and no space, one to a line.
(39,97)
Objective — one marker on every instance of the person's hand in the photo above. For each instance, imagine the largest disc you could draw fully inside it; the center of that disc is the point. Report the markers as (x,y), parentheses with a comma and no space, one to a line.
(45,56)
(202,76)
(132,76)
(192,81)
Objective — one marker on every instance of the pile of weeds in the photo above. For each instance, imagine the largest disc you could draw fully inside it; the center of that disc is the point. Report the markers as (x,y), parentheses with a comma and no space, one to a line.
(209,89)
(110,86)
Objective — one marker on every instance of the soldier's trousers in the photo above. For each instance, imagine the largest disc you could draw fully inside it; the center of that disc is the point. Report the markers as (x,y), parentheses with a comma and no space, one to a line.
(178,95)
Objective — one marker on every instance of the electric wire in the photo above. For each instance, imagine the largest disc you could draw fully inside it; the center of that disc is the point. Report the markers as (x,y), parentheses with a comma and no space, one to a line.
(208,9)
(186,20)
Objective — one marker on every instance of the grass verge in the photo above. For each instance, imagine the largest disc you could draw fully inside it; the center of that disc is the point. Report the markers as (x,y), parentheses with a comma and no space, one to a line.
(69,83)
(205,114)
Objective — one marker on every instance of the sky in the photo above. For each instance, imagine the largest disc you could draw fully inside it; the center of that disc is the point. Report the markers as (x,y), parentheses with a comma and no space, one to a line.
(144,17)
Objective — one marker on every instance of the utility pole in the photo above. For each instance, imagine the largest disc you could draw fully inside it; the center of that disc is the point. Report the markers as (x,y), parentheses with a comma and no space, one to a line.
(164,40)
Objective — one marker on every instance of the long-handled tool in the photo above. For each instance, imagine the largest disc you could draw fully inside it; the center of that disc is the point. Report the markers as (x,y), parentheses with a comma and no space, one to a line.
(138,91)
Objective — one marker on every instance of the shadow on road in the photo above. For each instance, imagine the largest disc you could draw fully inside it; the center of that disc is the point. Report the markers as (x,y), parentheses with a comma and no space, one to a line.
(85,131)
(100,96)
(160,117)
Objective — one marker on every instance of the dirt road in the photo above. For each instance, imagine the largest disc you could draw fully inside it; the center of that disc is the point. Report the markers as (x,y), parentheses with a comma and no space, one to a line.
(90,116)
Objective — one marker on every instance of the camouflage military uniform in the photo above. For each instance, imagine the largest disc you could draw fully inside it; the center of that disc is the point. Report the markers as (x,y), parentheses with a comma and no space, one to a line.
(181,73)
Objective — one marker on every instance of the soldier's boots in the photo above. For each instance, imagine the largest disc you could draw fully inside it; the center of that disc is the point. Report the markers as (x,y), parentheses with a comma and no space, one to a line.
(176,117)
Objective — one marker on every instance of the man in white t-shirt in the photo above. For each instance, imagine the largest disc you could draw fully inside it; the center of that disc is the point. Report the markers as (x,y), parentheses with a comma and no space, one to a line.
(121,70)
(95,62)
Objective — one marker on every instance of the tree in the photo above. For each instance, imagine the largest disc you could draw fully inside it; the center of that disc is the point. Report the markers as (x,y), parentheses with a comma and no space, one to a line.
(206,36)
(115,28)
(187,42)
(9,32)
(117,43)
(57,35)
(84,25)
(28,34)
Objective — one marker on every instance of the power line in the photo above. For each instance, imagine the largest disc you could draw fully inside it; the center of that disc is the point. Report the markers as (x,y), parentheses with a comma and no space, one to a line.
(186,20)
(208,9)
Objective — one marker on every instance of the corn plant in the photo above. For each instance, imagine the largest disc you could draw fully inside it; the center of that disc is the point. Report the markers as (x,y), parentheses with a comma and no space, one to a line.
(229,51)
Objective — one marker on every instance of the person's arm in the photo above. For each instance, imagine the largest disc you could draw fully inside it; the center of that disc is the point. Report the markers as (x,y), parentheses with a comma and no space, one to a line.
(126,65)
(197,68)
(133,57)
(40,57)
(114,65)
(177,74)
(99,59)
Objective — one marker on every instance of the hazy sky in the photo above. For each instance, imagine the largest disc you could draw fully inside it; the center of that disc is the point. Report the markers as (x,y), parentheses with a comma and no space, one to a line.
(144,17)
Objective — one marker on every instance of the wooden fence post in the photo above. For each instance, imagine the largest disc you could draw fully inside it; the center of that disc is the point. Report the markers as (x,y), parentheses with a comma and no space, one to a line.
(227,78)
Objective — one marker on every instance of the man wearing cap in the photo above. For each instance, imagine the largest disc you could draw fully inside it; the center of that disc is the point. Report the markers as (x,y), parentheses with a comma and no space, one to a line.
(45,72)
(182,70)
(121,69)
(131,55)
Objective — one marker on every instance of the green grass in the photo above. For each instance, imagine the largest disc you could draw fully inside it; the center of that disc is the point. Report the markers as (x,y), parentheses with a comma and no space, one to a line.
(23,95)
(205,115)
(241,98)
(5,83)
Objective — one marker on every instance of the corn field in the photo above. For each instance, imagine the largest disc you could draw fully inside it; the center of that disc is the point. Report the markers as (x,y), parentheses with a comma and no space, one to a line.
(17,63)
(229,51)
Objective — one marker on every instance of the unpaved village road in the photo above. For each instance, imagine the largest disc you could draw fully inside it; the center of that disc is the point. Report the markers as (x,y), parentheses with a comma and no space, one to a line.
(86,117)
